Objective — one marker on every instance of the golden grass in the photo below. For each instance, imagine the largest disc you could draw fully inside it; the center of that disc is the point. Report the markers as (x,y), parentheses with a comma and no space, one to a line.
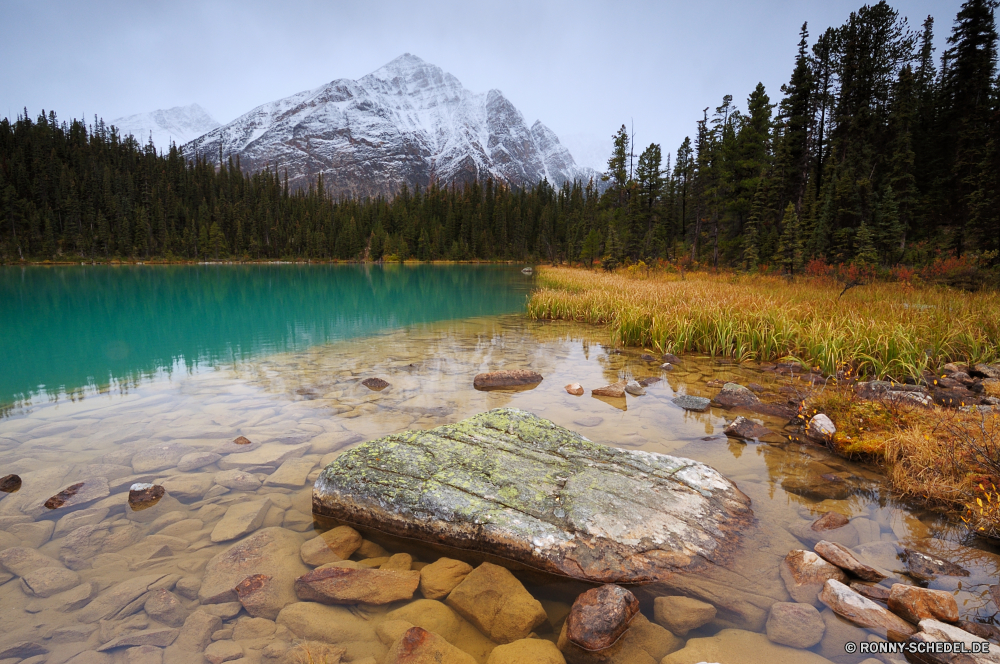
(941,457)
(883,330)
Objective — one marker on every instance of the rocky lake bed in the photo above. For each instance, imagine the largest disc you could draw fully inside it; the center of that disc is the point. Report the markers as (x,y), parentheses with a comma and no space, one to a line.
(735,537)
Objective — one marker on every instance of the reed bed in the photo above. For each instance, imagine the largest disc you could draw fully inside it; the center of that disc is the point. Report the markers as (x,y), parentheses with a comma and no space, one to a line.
(880,330)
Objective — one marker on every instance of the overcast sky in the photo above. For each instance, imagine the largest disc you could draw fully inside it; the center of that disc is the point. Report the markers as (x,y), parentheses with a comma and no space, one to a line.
(583,68)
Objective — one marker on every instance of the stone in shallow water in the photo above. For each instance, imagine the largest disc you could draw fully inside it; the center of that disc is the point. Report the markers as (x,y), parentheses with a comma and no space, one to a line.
(523,651)
(925,567)
(634,388)
(376,384)
(830,521)
(861,610)
(196,460)
(493,600)
(144,495)
(795,624)
(733,395)
(241,519)
(440,577)
(915,604)
(804,573)
(615,390)
(271,551)
(690,402)
(682,614)
(600,616)
(418,645)
(340,585)
(736,645)
(496,380)
(746,429)
(80,493)
(512,484)
(844,558)
(10,483)
(575,389)
(48,581)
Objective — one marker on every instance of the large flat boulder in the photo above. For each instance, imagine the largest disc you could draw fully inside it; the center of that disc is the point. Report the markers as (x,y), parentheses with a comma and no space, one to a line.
(511,484)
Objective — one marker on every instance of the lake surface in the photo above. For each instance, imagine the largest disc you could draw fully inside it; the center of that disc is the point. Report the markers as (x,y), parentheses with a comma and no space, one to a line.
(69,330)
(277,354)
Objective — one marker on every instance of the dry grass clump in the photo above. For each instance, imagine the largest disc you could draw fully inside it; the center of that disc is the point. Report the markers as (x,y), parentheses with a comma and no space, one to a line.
(881,329)
(941,457)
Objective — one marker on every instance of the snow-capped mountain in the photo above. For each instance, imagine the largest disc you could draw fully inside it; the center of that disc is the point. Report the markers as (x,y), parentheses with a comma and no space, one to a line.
(180,125)
(408,122)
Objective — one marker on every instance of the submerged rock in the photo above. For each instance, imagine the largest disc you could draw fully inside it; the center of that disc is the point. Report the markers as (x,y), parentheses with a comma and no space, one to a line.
(634,388)
(512,484)
(860,610)
(80,493)
(830,521)
(925,567)
(341,585)
(375,384)
(805,573)
(795,624)
(417,646)
(733,395)
(682,614)
(493,600)
(497,380)
(10,483)
(736,645)
(440,577)
(689,402)
(600,616)
(143,495)
(746,429)
(615,390)
(915,604)
(842,557)
(575,389)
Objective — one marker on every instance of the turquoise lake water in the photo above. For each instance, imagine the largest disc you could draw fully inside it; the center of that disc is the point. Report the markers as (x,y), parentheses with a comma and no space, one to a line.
(73,328)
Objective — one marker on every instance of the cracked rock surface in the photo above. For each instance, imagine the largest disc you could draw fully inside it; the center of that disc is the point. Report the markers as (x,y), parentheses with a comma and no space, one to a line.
(512,484)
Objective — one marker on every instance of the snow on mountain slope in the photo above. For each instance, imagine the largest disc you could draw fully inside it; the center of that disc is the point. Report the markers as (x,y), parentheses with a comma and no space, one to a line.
(180,124)
(407,122)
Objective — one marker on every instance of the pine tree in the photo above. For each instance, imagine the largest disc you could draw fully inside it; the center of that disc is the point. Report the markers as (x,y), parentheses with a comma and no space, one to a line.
(751,255)
(789,254)
(888,232)
(864,241)
(967,87)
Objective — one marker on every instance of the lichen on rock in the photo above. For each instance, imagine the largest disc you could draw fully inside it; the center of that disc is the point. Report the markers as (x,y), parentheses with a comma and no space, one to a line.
(511,484)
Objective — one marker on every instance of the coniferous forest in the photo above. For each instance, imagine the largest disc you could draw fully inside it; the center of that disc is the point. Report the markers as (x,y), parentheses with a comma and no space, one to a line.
(878,151)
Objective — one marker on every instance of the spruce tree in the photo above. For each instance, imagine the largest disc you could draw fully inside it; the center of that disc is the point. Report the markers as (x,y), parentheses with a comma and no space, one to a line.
(789,254)
(864,242)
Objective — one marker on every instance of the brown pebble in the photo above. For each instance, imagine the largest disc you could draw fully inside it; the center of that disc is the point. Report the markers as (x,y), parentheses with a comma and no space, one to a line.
(376,384)
(242,440)
(142,496)
(600,616)
(575,389)
(830,521)
(10,483)
(60,498)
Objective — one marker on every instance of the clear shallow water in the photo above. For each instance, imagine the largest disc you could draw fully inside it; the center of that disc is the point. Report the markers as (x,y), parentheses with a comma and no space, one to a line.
(309,402)
(67,330)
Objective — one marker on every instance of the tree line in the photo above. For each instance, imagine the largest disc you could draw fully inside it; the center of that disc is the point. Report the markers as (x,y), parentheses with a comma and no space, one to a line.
(876,153)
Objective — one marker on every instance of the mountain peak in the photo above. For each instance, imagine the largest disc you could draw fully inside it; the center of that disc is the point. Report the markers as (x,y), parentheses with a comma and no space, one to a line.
(407,122)
(179,124)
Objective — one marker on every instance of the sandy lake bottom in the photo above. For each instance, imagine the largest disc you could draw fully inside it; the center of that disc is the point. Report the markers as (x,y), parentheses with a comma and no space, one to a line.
(309,406)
